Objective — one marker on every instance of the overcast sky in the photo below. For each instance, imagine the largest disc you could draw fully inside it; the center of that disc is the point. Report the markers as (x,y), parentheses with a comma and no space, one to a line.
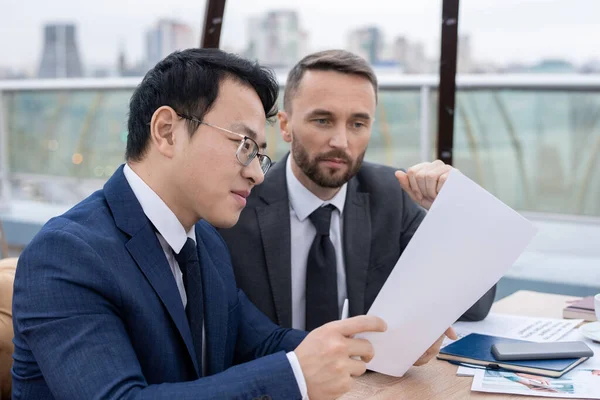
(501,31)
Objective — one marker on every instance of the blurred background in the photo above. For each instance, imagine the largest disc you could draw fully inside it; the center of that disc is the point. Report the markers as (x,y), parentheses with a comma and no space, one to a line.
(526,121)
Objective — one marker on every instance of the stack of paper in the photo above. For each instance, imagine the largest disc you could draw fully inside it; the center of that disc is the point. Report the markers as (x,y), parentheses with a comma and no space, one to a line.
(514,327)
(581,383)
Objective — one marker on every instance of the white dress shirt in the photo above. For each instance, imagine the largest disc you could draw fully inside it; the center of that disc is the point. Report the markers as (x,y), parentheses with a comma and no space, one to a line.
(302,203)
(172,236)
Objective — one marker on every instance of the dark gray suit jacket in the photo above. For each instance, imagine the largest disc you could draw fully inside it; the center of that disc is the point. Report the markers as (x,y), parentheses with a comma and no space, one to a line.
(379,221)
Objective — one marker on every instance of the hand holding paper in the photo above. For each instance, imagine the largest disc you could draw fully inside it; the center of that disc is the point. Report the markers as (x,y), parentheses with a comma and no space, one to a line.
(330,356)
(429,354)
(424,181)
(435,348)
(467,241)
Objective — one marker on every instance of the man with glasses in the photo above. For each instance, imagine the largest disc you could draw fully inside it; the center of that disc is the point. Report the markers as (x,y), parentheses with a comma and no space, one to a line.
(248,148)
(131,293)
(326,227)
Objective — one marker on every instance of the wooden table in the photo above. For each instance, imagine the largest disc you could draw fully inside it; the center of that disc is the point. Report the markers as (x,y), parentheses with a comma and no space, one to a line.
(437,379)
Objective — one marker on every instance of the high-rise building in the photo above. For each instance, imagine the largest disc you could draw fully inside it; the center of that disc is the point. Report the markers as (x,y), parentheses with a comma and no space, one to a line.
(276,39)
(367,43)
(464,62)
(410,55)
(552,66)
(9,73)
(122,63)
(60,57)
(591,67)
(166,37)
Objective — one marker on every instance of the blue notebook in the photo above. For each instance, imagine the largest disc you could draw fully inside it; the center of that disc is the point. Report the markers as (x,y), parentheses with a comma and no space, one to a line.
(476,349)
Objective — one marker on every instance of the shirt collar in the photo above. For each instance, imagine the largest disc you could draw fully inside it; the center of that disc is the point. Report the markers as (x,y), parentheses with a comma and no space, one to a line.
(161,216)
(303,201)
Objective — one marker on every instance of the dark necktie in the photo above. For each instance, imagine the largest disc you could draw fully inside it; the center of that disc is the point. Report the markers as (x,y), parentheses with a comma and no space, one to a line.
(321,274)
(192,281)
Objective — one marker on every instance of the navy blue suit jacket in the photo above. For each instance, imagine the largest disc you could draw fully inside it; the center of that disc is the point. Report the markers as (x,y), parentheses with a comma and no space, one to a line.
(97,314)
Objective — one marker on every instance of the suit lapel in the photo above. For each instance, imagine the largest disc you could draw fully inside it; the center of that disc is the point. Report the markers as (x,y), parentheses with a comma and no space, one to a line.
(274,225)
(357,246)
(216,310)
(145,249)
(148,254)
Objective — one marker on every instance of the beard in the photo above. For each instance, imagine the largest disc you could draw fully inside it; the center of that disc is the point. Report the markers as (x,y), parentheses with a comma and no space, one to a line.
(323,176)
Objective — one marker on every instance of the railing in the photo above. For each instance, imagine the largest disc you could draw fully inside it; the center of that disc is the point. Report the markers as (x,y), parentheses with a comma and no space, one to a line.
(532,140)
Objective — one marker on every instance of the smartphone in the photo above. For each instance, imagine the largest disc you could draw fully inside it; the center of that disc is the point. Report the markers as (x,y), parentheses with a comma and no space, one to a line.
(540,351)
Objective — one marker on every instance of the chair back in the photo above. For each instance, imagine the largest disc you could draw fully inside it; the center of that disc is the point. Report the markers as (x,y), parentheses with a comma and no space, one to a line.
(8,267)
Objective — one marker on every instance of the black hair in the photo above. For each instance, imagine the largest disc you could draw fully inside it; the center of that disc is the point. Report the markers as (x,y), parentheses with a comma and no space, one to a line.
(188,81)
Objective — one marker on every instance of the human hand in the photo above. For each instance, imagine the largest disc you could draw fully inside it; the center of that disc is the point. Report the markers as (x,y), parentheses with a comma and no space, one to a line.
(424,181)
(325,355)
(435,348)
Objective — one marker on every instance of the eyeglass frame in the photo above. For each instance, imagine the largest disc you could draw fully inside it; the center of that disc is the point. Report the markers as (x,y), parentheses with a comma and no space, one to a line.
(260,156)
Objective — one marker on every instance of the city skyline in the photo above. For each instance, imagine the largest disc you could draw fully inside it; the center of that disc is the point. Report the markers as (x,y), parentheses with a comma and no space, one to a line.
(236,24)
(60,55)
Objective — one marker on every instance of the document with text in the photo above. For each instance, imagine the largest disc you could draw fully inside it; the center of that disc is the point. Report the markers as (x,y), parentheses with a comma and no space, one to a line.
(535,329)
(573,335)
(467,241)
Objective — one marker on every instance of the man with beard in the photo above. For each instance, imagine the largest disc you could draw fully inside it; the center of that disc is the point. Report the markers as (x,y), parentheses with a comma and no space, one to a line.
(131,294)
(325,226)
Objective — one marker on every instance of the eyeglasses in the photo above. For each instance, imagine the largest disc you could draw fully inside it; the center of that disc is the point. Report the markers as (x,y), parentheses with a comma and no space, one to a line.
(247,150)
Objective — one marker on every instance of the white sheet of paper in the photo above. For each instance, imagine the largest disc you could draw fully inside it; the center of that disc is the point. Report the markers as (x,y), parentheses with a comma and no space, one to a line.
(467,241)
(517,327)
(465,371)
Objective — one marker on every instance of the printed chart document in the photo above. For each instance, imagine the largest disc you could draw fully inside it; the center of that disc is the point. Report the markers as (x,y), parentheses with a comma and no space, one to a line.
(581,383)
(467,241)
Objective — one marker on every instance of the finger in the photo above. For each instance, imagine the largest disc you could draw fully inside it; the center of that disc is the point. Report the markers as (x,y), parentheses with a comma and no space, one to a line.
(431,352)
(425,358)
(362,323)
(432,178)
(418,166)
(431,181)
(435,348)
(421,178)
(451,333)
(356,368)
(403,179)
(405,185)
(414,186)
(442,180)
(361,348)
(426,203)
